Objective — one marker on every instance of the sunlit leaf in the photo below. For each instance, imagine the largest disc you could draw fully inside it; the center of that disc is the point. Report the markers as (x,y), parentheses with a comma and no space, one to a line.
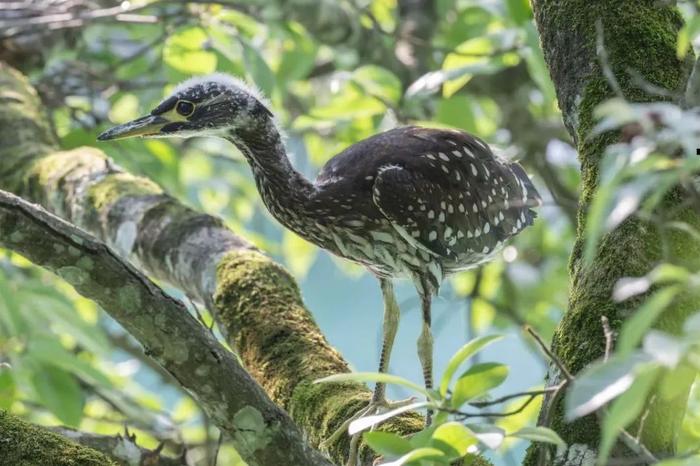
(8,387)
(454,439)
(59,392)
(419,454)
(539,434)
(387,443)
(374,377)
(489,435)
(477,380)
(378,82)
(463,354)
(51,352)
(363,423)
(185,52)
(257,68)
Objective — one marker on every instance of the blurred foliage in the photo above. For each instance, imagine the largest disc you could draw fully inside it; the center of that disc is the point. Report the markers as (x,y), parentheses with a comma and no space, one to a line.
(65,361)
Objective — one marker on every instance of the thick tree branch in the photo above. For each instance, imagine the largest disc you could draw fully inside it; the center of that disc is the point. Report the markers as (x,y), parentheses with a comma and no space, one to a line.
(261,432)
(24,443)
(639,37)
(123,449)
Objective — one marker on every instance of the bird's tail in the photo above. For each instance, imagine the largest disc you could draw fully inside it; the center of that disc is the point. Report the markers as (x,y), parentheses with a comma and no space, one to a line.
(533,197)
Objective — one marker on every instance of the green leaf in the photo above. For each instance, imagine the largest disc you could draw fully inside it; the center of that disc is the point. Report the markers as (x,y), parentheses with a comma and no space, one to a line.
(54,307)
(536,66)
(8,388)
(419,454)
(465,352)
(518,10)
(59,392)
(601,382)
(489,435)
(257,69)
(387,443)
(358,425)
(623,411)
(11,320)
(686,36)
(478,380)
(378,82)
(49,351)
(299,55)
(185,51)
(644,317)
(374,377)
(454,439)
(539,434)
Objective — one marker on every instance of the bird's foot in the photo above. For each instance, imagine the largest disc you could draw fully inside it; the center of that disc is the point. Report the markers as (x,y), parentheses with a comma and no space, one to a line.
(374,407)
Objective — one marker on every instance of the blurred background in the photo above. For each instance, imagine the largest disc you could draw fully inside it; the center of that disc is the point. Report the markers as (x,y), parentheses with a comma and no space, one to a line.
(335,72)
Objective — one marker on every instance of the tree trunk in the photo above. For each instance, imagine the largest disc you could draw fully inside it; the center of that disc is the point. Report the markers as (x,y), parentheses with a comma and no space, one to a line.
(641,36)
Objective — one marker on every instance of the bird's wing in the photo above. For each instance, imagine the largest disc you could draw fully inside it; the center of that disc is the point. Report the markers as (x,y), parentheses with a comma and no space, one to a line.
(455,197)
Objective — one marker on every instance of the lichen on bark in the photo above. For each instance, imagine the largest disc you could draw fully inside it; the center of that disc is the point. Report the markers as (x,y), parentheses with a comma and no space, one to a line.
(638,37)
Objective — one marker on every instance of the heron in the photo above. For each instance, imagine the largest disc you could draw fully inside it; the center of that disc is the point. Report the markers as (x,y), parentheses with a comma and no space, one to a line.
(411,202)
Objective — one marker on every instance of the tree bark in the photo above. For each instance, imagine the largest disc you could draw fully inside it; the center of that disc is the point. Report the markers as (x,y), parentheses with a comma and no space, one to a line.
(262,433)
(639,36)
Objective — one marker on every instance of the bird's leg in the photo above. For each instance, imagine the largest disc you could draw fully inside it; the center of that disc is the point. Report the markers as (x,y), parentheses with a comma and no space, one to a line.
(378,402)
(390,327)
(425,346)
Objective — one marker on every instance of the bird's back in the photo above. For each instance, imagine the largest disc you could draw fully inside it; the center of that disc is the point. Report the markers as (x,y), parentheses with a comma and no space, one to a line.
(439,196)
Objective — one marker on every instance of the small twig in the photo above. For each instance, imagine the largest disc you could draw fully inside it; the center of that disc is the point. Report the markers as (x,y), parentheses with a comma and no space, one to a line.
(644,417)
(482,404)
(638,447)
(607,332)
(218,447)
(691,98)
(466,415)
(551,355)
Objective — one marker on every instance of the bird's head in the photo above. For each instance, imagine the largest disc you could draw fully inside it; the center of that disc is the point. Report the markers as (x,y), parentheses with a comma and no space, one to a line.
(213,105)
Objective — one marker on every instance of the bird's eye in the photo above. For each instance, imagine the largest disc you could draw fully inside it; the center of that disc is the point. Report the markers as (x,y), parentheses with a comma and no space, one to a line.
(184,108)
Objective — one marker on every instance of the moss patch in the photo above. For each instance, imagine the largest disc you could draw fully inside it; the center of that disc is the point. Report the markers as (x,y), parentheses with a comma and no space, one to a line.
(24,444)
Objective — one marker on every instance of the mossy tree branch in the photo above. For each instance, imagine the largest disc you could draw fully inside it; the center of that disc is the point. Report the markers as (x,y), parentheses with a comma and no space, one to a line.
(22,443)
(261,432)
(256,303)
(639,36)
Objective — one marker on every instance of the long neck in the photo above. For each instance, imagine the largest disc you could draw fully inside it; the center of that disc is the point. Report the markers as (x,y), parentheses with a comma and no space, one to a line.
(283,189)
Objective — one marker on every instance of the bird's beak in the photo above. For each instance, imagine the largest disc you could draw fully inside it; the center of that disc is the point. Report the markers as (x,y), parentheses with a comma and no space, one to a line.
(150,125)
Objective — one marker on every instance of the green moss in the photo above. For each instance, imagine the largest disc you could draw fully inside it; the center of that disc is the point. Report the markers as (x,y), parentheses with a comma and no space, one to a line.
(24,444)
(117,186)
(260,307)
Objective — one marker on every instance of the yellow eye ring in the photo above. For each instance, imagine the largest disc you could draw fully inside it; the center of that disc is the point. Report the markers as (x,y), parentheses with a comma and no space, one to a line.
(184,107)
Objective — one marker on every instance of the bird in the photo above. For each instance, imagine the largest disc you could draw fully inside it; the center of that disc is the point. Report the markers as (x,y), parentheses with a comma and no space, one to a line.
(411,202)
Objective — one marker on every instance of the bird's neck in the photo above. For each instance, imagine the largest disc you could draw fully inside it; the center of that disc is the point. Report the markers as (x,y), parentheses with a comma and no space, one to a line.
(283,189)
